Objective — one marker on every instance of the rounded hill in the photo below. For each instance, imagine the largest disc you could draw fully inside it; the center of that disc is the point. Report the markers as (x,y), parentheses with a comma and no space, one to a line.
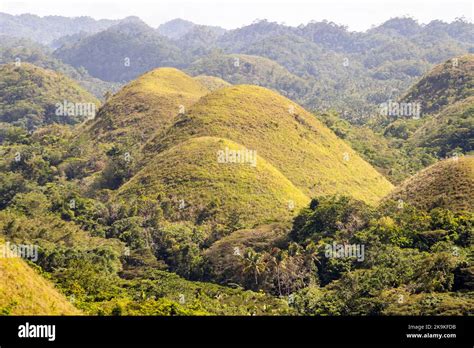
(146,105)
(31,97)
(446,184)
(292,140)
(206,172)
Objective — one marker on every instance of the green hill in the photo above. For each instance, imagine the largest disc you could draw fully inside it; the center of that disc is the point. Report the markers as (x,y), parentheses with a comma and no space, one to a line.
(444,85)
(447,184)
(31,97)
(284,134)
(24,50)
(449,131)
(191,172)
(122,52)
(24,292)
(146,105)
(246,69)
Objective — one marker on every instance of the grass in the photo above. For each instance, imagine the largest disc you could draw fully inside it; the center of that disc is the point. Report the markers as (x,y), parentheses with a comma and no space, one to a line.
(447,184)
(190,171)
(29,94)
(23,291)
(293,141)
(211,82)
(146,105)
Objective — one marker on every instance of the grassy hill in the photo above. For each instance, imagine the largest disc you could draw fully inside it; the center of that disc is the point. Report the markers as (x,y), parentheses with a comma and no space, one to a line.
(448,184)
(449,131)
(147,104)
(29,94)
(285,135)
(211,82)
(190,171)
(23,291)
(445,84)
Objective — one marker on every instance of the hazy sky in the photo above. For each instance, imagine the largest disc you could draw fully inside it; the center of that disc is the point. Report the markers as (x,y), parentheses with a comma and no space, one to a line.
(357,14)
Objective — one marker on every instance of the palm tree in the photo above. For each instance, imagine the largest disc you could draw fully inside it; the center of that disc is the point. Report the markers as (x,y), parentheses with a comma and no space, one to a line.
(277,257)
(253,263)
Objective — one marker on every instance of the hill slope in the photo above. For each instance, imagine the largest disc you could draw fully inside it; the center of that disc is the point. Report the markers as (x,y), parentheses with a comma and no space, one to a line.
(211,82)
(246,69)
(147,104)
(284,134)
(24,292)
(444,85)
(448,184)
(29,96)
(191,172)
(122,52)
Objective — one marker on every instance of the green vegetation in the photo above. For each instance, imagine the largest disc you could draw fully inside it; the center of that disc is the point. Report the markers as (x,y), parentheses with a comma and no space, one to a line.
(23,291)
(191,196)
(244,69)
(122,52)
(18,50)
(29,97)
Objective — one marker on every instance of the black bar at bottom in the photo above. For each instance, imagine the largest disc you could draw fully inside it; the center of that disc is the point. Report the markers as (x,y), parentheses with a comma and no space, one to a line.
(242,331)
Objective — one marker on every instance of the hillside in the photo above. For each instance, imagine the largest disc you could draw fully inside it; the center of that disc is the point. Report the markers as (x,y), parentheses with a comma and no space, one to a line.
(146,105)
(122,52)
(29,96)
(445,84)
(14,50)
(245,69)
(23,291)
(282,133)
(48,28)
(445,97)
(448,132)
(211,82)
(191,172)
(447,184)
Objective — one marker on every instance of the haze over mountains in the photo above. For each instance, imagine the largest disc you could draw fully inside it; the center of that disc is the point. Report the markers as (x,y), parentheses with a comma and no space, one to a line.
(212,181)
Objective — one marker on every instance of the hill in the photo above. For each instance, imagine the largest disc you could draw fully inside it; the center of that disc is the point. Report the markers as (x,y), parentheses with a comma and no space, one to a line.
(191,172)
(31,97)
(447,184)
(284,134)
(175,28)
(448,132)
(122,52)
(245,69)
(445,84)
(211,82)
(48,28)
(146,105)
(23,291)
(13,50)
(445,97)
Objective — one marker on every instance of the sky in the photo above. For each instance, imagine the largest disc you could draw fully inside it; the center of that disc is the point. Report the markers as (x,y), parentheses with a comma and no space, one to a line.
(358,15)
